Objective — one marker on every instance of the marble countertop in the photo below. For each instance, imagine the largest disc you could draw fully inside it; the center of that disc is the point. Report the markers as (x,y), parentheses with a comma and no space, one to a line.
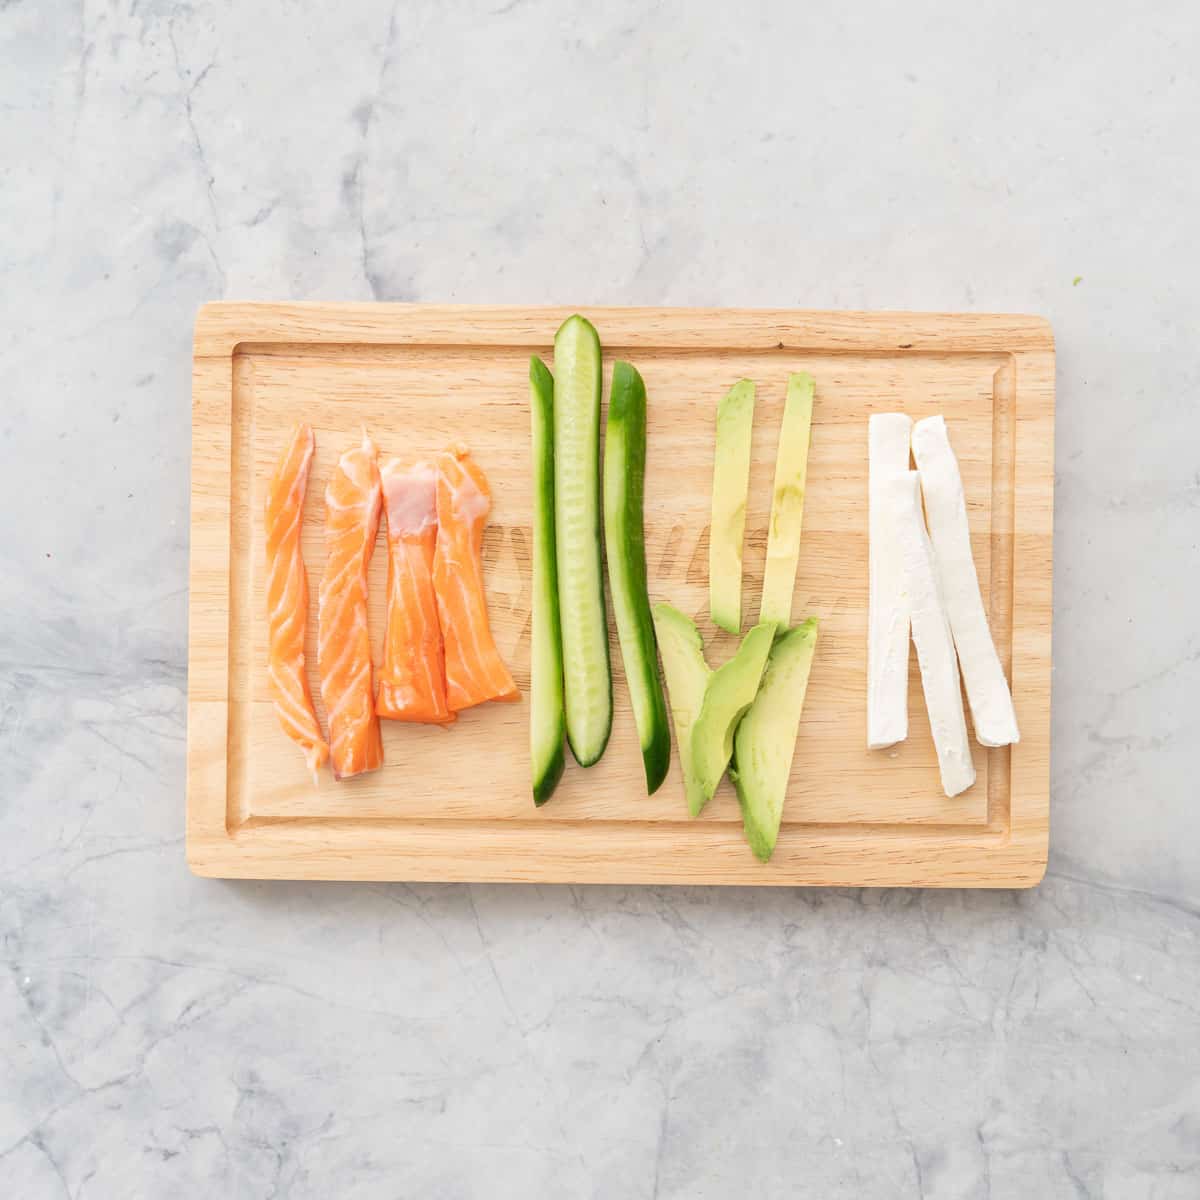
(169,1036)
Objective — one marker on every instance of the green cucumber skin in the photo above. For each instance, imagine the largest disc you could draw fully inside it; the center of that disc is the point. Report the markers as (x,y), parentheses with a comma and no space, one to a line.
(547,721)
(587,674)
(625,541)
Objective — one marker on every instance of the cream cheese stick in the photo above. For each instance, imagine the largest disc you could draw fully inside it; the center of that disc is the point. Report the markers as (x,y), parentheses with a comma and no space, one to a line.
(987,690)
(887,623)
(931,634)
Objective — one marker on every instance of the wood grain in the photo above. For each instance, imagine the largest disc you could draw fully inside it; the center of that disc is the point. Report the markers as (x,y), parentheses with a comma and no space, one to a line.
(454,804)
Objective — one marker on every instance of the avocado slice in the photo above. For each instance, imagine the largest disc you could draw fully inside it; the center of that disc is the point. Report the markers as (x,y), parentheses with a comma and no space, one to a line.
(731,481)
(787,501)
(730,692)
(687,676)
(766,738)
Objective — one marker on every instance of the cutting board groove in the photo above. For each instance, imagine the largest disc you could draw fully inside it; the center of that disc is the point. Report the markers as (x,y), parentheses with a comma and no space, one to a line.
(454,804)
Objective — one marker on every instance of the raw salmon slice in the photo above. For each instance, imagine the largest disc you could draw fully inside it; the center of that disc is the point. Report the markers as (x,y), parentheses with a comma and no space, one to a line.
(412,682)
(287,599)
(474,670)
(353,498)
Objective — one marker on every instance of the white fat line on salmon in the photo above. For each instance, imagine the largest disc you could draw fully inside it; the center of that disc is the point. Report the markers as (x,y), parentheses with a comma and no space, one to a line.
(333,671)
(357,687)
(464,667)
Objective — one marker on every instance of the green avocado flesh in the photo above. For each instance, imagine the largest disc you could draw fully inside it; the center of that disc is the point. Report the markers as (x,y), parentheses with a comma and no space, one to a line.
(731,481)
(729,693)
(687,676)
(766,739)
(787,502)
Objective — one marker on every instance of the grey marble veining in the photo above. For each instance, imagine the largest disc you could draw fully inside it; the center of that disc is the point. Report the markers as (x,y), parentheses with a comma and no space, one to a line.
(166,1036)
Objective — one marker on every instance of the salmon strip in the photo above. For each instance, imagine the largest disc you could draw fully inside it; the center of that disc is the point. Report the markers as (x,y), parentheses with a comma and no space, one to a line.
(287,599)
(474,670)
(353,498)
(412,683)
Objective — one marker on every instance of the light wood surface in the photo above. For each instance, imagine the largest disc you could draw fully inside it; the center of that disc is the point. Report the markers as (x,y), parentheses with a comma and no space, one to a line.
(454,804)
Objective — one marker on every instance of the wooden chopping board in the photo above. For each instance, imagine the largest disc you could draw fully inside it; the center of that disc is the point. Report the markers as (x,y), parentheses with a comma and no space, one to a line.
(455,804)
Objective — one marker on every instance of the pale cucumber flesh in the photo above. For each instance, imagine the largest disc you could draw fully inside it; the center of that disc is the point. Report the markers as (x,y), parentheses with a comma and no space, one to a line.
(587,680)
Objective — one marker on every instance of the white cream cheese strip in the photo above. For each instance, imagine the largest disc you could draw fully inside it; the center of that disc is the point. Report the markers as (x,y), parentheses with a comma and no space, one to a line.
(987,690)
(931,634)
(887,623)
